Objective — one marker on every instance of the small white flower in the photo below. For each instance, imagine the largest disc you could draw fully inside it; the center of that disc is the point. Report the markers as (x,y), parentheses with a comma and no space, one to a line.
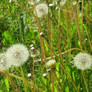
(44,74)
(41,33)
(41,10)
(51,5)
(51,62)
(29,75)
(62,2)
(17,54)
(83,61)
(32,48)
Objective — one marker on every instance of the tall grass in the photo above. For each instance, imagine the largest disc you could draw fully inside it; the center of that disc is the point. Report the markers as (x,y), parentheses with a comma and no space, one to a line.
(66,31)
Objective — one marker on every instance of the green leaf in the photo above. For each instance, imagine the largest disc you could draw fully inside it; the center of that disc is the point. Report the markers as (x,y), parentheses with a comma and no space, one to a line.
(7,84)
(67,89)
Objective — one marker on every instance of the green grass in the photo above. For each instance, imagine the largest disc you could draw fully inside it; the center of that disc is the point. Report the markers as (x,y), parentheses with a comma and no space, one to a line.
(65,34)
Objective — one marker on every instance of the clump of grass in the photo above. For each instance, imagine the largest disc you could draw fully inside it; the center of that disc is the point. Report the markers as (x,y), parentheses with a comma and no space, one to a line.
(58,31)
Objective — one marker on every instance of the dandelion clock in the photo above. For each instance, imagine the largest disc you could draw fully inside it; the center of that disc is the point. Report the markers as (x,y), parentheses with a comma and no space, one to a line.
(83,61)
(17,54)
(41,10)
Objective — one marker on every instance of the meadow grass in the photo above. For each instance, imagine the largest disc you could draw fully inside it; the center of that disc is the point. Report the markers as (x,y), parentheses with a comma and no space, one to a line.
(60,35)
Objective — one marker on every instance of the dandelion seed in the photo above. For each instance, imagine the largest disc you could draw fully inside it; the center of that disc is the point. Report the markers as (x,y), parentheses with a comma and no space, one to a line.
(29,75)
(51,62)
(83,61)
(41,33)
(17,54)
(32,48)
(44,74)
(41,10)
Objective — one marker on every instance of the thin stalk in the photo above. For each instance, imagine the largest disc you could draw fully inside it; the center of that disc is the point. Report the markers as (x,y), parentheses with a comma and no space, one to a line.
(82,28)
(11,81)
(65,71)
(24,80)
(85,81)
(58,81)
(78,27)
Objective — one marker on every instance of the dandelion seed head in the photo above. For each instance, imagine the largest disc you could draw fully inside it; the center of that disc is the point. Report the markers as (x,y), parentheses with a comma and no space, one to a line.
(83,61)
(29,75)
(17,54)
(41,10)
(51,62)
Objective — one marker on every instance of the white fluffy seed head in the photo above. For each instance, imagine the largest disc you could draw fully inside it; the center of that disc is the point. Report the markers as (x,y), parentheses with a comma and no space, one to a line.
(17,54)
(41,10)
(3,62)
(51,62)
(83,61)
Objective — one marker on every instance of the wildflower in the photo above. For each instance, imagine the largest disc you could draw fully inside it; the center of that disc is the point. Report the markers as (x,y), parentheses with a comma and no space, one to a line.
(44,74)
(41,33)
(32,48)
(31,2)
(3,63)
(37,0)
(83,61)
(29,75)
(41,10)
(51,62)
(62,2)
(51,4)
(17,54)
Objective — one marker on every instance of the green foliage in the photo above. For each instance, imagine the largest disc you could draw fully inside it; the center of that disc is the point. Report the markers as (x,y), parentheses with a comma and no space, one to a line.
(64,28)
